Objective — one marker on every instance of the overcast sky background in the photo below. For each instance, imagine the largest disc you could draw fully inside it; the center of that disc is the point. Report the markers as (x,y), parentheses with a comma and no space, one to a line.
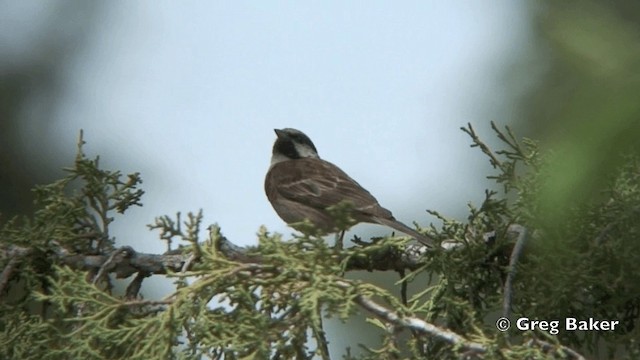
(188,93)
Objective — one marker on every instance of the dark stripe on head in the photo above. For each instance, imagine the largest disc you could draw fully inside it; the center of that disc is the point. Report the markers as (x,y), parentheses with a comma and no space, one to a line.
(300,138)
(286,147)
(287,140)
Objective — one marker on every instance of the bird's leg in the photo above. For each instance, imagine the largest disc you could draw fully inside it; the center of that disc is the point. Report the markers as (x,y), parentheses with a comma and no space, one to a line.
(339,240)
(403,287)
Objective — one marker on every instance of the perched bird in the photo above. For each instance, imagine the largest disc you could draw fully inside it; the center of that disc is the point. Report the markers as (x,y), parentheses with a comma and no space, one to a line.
(302,186)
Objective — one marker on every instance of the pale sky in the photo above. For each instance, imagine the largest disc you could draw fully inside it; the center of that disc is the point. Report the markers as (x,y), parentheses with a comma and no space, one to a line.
(188,93)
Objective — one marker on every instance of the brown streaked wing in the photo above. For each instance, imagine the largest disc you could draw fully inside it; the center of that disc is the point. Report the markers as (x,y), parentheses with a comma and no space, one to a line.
(320,184)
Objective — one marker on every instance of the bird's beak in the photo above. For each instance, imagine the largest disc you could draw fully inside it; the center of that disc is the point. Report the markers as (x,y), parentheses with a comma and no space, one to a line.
(280,134)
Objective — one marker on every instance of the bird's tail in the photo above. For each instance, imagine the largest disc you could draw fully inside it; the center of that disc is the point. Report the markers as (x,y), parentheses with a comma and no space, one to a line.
(397,225)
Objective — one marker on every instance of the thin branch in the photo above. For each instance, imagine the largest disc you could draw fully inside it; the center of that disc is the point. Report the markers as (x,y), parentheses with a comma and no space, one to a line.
(14,255)
(7,272)
(415,324)
(189,262)
(604,232)
(134,287)
(125,266)
(147,303)
(403,287)
(511,273)
(110,262)
(478,143)
(321,338)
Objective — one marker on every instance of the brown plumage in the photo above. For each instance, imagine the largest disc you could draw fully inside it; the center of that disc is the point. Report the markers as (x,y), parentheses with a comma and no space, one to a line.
(301,186)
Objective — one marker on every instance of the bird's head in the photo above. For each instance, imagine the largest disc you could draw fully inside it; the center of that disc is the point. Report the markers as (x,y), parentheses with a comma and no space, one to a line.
(292,144)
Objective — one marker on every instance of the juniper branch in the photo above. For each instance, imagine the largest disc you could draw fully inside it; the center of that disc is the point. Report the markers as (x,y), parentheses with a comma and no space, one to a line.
(126,262)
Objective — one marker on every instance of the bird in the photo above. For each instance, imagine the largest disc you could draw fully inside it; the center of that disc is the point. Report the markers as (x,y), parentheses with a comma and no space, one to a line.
(301,186)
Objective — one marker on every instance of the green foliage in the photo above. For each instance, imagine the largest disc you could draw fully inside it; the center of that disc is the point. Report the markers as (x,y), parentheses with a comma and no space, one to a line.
(590,263)
(273,306)
(585,267)
(72,217)
(76,210)
(586,102)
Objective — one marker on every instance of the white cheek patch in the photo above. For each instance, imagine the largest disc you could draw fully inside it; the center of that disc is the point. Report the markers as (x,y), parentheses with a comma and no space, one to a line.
(305,151)
(277,158)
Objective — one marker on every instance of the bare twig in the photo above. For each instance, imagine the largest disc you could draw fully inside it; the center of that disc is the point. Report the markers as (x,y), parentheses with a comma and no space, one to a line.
(14,255)
(415,324)
(134,287)
(511,273)
(110,262)
(403,287)
(189,262)
(125,266)
(321,338)
(7,272)
(604,232)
